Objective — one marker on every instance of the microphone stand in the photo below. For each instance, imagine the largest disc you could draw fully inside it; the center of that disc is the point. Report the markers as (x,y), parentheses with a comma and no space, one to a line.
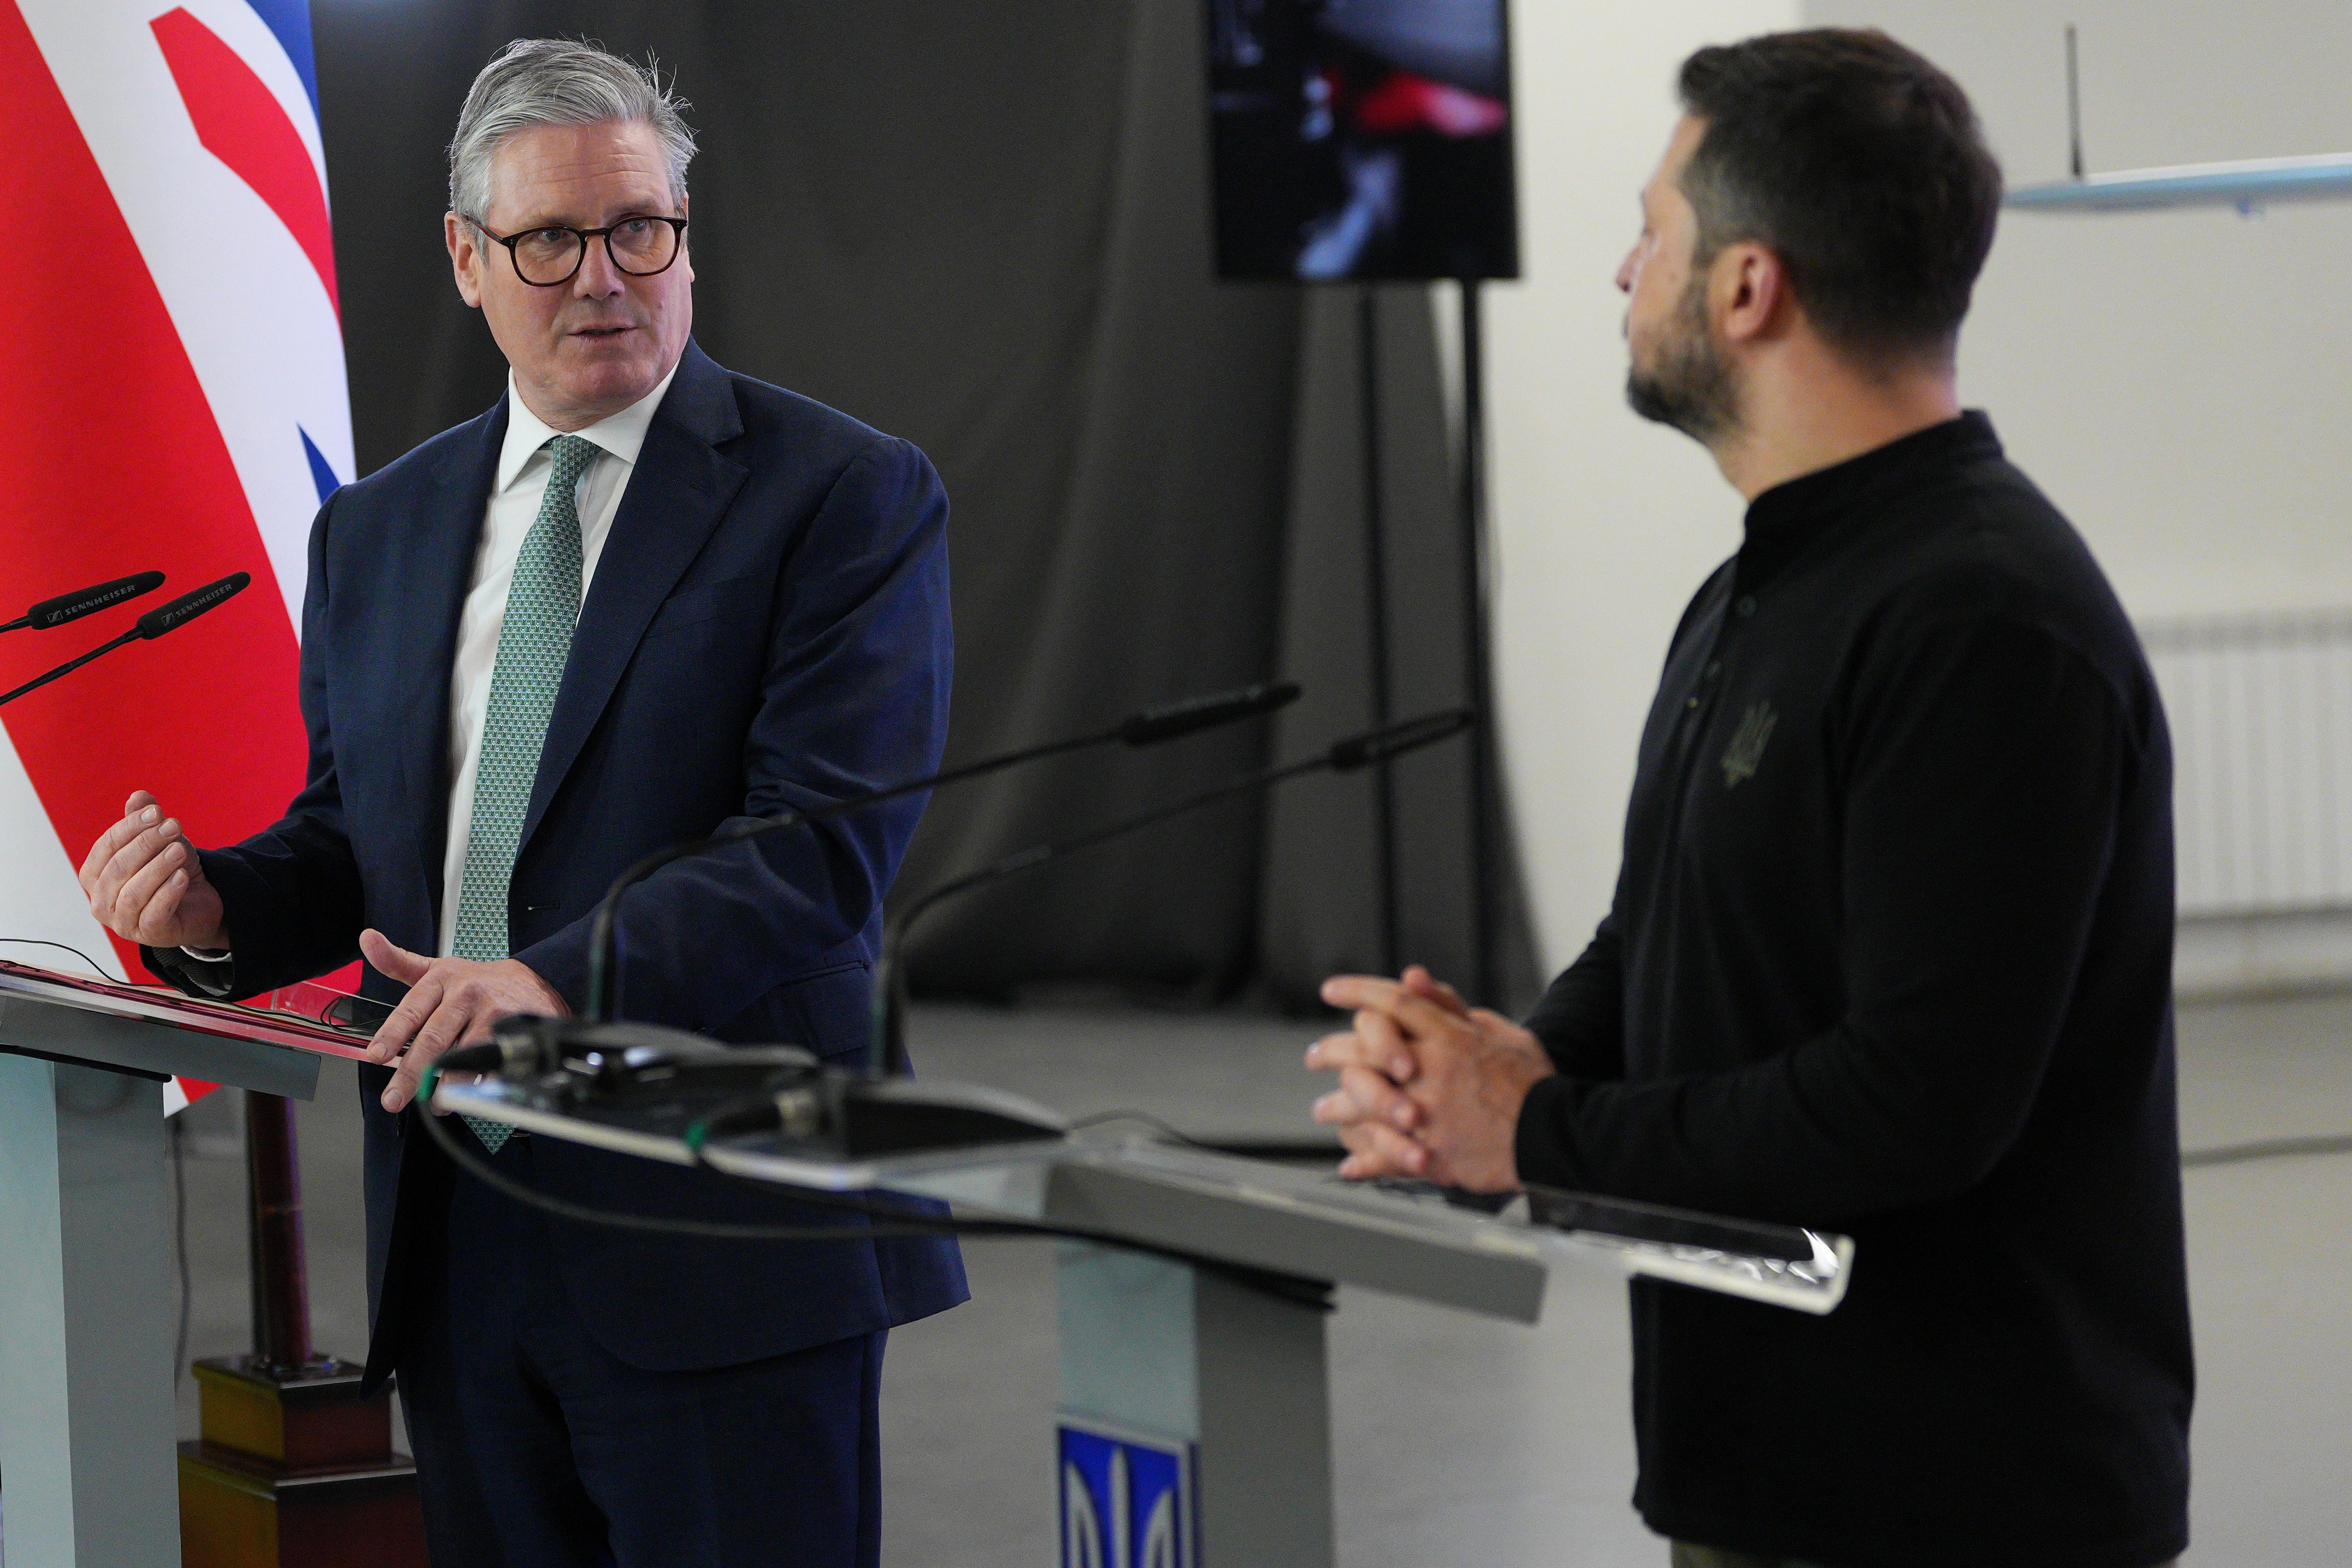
(1148,727)
(886,1055)
(69,666)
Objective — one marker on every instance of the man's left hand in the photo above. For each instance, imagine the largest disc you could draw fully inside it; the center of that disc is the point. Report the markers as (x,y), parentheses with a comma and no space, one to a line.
(1470,1070)
(450,1002)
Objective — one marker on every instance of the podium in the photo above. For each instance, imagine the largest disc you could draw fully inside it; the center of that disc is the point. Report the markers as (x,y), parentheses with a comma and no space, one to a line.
(88,1460)
(1194,1417)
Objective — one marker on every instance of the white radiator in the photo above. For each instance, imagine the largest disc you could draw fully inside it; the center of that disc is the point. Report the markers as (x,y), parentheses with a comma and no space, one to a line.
(2261,709)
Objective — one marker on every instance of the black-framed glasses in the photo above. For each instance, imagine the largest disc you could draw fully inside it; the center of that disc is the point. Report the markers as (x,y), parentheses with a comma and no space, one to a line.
(550,256)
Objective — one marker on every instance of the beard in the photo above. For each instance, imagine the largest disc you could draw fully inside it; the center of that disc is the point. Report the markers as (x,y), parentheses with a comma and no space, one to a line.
(1689,384)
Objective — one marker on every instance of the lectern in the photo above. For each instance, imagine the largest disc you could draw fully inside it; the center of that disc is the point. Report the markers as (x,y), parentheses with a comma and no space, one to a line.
(89,1461)
(1194,1428)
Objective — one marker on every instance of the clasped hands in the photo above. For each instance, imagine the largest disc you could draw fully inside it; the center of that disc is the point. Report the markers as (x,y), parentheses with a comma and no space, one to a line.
(145,884)
(1429,1086)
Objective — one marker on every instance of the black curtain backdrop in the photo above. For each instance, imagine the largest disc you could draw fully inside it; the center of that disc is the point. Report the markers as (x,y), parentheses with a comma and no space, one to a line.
(985,228)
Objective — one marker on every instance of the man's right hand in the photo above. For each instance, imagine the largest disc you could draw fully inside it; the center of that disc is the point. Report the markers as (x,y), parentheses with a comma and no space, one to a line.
(145,884)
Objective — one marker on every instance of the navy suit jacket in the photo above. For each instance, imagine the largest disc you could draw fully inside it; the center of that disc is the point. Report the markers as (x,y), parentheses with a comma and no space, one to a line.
(767,628)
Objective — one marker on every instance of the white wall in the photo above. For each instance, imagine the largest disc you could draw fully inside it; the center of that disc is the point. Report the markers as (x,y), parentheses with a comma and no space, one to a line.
(1603,525)
(2180,383)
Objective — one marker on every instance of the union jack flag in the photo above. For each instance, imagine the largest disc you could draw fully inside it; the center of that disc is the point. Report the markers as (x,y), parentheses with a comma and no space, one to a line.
(172,397)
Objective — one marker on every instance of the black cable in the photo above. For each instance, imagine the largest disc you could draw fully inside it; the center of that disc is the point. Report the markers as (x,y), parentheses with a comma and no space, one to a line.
(61,947)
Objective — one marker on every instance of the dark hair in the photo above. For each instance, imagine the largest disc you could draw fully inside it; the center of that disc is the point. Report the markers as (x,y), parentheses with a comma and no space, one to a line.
(1862,166)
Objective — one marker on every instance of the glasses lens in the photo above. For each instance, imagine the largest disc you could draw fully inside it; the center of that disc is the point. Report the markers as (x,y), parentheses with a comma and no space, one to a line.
(644,245)
(547,255)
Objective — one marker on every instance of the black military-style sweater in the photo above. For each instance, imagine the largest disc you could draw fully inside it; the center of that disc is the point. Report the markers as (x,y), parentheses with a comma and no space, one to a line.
(1890,954)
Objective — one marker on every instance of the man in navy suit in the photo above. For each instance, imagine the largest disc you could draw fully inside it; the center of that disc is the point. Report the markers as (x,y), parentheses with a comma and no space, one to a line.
(640,598)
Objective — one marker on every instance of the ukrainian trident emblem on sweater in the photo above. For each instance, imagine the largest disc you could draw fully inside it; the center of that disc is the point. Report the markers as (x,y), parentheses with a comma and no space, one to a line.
(1747,748)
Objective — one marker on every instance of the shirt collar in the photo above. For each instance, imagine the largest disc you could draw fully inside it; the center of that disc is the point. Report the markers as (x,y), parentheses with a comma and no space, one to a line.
(622,435)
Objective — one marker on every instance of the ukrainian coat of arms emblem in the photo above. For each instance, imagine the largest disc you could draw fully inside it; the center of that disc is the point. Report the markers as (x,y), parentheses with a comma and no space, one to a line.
(1747,748)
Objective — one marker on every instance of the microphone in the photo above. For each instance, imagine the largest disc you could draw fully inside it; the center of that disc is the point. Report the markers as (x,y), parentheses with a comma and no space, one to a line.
(170,617)
(72,607)
(151,626)
(1154,725)
(833,1114)
(1148,727)
(1393,741)
(885,1056)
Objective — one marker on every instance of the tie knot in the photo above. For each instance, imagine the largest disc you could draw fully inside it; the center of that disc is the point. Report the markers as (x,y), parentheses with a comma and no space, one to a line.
(572,455)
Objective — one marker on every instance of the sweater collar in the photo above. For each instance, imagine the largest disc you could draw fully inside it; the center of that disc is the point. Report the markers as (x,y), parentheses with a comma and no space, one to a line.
(1825,494)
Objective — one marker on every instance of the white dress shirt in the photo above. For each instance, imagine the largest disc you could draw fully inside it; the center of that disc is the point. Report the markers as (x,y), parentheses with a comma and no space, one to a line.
(516,491)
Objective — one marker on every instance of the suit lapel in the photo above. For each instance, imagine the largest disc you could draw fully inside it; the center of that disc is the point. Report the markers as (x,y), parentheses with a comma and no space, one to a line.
(677,492)
(433,563)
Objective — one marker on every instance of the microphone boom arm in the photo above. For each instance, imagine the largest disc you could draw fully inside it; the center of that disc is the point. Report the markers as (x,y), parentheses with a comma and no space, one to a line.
(1148,727)
(885,1056)
(69,666)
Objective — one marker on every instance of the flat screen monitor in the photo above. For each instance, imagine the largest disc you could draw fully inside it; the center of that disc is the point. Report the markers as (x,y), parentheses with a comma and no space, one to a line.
(1362,139)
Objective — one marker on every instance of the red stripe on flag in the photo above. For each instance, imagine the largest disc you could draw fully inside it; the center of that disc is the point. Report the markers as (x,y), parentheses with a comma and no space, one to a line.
(111,462)
(241,122)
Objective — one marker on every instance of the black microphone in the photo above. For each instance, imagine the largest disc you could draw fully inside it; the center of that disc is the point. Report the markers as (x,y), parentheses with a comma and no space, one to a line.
(1395,739)
(886,1056)
(170,617)
(1154,725)
(1148,727)
(72,607)
(151,626)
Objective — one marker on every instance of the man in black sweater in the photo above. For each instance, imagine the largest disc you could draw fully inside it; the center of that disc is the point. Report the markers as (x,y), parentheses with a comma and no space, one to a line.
(1891,946)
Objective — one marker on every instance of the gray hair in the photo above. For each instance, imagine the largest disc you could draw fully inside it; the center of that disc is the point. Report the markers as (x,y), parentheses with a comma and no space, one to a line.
(558,81)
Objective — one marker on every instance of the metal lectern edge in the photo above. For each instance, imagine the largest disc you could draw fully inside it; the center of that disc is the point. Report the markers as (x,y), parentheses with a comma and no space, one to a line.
(1309,1246)
(1221,1208)
(62,1033)
(1249,1225)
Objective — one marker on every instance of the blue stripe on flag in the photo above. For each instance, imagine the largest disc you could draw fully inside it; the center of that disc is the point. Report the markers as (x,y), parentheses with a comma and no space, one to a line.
(323,473)
(290,20)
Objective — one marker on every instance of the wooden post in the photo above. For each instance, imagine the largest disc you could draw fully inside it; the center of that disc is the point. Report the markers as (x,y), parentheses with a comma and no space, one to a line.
(295,1469)
(281,1291)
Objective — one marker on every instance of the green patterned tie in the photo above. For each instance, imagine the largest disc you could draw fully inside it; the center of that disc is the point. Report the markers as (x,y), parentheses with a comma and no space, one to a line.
(542,608)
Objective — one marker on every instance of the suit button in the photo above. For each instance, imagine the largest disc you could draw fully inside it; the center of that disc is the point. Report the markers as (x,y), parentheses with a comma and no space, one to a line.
(1692,703)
